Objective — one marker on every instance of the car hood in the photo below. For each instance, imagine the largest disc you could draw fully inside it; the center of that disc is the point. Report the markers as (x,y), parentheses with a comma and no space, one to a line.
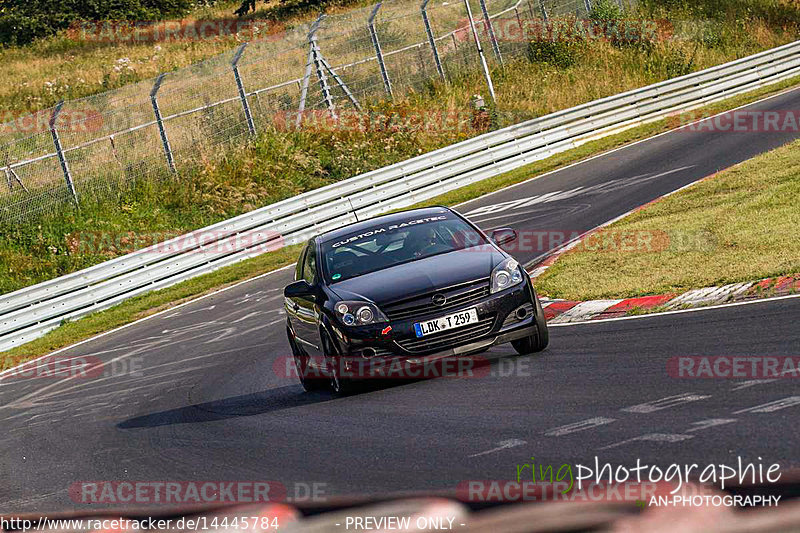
(422,276)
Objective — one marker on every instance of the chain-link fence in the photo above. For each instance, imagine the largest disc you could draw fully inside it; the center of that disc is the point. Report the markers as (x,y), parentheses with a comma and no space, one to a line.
(85,150)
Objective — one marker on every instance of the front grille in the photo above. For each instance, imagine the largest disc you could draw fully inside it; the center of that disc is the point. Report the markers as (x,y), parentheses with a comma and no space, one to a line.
(448,339)
(421,306)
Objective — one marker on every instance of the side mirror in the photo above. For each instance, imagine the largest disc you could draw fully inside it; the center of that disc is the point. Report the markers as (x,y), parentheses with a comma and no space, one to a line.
(503,236)
(299,289)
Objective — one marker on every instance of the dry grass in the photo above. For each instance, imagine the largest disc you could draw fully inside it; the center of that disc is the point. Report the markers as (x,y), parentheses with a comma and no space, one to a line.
(62,67)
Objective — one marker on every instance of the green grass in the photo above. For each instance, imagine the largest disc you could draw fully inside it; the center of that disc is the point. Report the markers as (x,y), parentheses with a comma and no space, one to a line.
(149,304)
(280,164)
(742,224)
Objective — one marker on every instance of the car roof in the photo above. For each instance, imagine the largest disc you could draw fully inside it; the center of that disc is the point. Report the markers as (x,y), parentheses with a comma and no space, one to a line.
(382,219)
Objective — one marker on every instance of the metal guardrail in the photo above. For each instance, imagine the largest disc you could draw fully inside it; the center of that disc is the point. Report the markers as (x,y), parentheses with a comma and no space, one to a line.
(30,312)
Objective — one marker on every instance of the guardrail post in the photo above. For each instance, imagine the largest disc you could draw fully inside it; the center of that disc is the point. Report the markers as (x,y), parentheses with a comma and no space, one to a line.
(490,28)
(62,159)
(162,132)
(242,94)
(480,51)
(431,39)
(387,85)
(320,69)
(543,9)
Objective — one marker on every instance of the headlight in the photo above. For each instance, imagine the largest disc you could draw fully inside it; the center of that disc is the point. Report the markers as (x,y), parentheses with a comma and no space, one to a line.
(359,314)
(505,275)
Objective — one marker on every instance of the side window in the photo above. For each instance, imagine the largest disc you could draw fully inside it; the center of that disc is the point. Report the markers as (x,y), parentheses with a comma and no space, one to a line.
(310,264)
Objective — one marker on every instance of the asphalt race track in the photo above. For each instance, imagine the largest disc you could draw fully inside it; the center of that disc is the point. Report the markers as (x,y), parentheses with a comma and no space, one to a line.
(198,393)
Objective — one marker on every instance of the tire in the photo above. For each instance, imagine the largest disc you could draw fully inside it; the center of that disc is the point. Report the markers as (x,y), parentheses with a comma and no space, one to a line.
(301,363)
(539,340)
(336,384)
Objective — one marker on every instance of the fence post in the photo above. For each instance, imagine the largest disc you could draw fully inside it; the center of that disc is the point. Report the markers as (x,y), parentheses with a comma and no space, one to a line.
(387,85)
(60,152)
(480,51)
(588,5)
(544,10)
(490,28)
(431,39)
(323,79)
(160,122)
(307,76)
(242,94)
(342,85)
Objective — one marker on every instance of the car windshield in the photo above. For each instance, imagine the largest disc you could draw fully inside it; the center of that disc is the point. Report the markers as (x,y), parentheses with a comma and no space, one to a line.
(386,245)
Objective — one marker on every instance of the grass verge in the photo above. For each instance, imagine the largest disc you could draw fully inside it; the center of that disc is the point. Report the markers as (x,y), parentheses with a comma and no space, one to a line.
(152,303)
(129,199)
(742,224)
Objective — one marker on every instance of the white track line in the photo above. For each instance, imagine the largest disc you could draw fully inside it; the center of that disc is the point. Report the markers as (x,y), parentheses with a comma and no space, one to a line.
(623,147)
(168,310)
(582,161)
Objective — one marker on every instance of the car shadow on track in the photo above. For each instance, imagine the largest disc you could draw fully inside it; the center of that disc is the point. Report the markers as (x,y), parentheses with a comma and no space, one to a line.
(258,403)
(272,400)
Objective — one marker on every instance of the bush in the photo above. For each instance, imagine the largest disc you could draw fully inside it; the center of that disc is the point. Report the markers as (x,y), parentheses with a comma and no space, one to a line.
(670,62)
(604,11)
(560,54)
(22,21)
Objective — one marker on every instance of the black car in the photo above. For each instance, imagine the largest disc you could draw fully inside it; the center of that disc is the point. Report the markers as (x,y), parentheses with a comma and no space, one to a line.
(413,286)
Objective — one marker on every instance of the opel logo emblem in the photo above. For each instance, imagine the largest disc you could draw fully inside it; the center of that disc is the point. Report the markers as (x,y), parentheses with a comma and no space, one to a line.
(439,299)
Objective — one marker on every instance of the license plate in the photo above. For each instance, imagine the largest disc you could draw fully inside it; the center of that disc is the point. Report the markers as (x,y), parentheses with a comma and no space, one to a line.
(456,320)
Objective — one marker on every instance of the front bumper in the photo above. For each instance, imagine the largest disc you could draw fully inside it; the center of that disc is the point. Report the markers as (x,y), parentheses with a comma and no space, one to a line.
(367,350)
